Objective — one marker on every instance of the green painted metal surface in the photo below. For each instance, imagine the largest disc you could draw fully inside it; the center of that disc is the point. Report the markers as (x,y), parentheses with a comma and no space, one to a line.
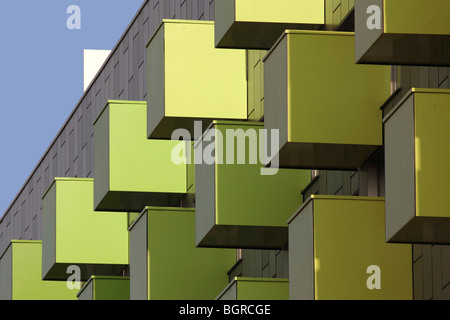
(236,205)
(257,24)
(173,267)
(416,155)
(20,275)
(131,171)
(402,32)
(327,120)
(202,84)
(244,288)
(74,234)
(255,80)
(334,244)
(105,288)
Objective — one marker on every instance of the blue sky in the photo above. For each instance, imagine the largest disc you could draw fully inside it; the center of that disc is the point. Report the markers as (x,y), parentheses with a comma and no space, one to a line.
(41,74)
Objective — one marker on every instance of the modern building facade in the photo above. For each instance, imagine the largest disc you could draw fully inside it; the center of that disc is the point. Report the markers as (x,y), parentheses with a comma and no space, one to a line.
(359,97)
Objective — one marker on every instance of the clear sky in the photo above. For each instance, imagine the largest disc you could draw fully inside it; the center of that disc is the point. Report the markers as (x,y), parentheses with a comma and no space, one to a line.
(41,74)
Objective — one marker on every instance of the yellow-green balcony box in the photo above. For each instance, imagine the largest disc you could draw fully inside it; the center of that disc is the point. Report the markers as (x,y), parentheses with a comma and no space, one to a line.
(337,251)
(20,275)
(131,171)
(240,203)
(245,288)
(78,240)
(165,264)
(326,108)
(402,32)
(189,80)
(417,155)
(257,24)
(105,288)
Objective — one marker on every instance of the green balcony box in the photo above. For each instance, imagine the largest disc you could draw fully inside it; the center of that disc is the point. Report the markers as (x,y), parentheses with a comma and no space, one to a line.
(337,251)
(165,264)
(189,80)
(417,154)
(402,32)
(243,288)
(20,275)
(237,204)
(326,107)
(257,24)
(74,234)
(105,288)
(131,171)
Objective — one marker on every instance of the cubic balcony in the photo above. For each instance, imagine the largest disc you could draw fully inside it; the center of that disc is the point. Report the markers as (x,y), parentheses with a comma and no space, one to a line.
(337,251)
(189,80)
(165,264)
(105,288)
(131,171)
(257,24)
(75,235)
(417,154)
(256,289)
(402,32)
(20,275)
(236,205)
(326,108)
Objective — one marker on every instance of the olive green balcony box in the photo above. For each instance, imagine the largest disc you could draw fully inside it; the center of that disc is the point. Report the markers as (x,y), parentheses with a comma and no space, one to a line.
(238,203)
(131,171)
(337,251)
(402,32)
(21,275)
(244,288)
(76,239)
(326,107)
(417,154)
(165,264)
(105,288)
(257,24)
(189,80)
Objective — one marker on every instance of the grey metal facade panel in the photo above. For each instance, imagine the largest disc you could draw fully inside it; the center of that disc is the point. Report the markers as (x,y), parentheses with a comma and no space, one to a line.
(263,263)
(6,274)
(417,279)
(400,168)
(427,273)
(2,235)
(87,292)
(431,265)
(122,77)
(445,266)
(139,258)
(301,247)
(436,252)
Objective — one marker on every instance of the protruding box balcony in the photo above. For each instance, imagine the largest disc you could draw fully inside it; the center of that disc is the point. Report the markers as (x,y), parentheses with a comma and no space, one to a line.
(326,108)
(165,264)
(131,171)
(257,24)
(402,32)
(189,80)
(21,275)
(337,251)
(239,202)
(78,239)
(417,154)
